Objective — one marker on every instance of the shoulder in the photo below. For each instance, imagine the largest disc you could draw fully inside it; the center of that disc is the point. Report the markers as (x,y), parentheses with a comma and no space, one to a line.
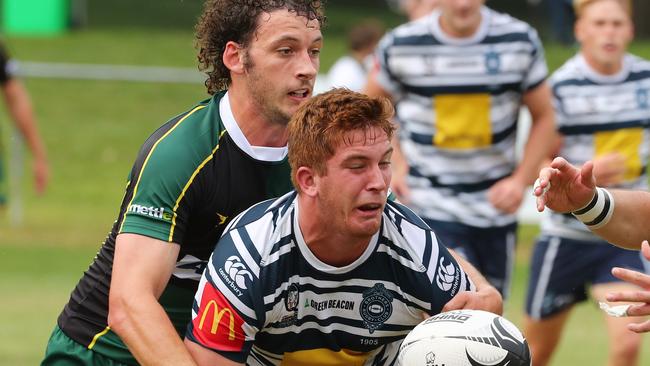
(504,27)
(411,33)
(637,64)
(570,70)
(264,214)
(184,142)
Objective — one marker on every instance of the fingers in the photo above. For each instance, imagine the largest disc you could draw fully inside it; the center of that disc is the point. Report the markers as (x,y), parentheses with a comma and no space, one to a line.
(458,302)
(587,174)
(639,327)
(634,277)
(645,249)
(639,310)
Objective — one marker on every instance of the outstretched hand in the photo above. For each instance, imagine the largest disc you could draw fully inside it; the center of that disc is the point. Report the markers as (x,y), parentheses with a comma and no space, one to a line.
(564,188)
(487,298)
(641,297)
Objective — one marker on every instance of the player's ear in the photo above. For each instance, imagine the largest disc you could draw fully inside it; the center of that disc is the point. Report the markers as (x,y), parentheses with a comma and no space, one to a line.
(307,181)
(233,57)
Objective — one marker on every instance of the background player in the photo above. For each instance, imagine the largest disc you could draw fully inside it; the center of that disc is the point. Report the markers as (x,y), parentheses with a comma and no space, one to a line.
(329,274)
(191,177)
(20,109)
(599,114)
(460,76)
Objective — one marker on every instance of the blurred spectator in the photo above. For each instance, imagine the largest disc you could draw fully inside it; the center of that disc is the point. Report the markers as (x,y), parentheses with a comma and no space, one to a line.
(19,108)
(562,17)
(351,70)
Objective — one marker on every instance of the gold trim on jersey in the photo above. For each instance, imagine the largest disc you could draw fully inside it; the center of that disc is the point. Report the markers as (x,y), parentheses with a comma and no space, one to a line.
(146,160)
(97,336)
(189,182)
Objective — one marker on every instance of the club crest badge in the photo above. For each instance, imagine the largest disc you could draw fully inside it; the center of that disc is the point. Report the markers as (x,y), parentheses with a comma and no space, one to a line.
(376,307)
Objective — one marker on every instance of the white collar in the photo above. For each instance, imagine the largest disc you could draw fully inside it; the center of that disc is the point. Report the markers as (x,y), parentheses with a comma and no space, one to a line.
(320,265)
(594,75)
(478,36)
(263,153)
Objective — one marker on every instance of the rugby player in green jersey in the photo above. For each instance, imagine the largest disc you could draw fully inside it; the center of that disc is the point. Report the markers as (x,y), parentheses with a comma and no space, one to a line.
(191,177)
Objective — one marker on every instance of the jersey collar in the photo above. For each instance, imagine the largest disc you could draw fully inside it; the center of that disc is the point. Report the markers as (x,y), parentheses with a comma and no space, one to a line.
(263,153)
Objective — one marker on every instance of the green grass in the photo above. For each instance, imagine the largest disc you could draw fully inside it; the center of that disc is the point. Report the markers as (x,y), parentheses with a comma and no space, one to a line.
(93,131)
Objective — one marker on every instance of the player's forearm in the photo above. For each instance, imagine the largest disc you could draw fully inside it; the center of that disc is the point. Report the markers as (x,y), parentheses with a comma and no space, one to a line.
(20,109)
(630,223)
(145,328)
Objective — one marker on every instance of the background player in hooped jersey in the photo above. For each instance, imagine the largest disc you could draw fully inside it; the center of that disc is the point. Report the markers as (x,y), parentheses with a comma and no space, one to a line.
(459,77)
(603,113)
(330,274)
(191,177)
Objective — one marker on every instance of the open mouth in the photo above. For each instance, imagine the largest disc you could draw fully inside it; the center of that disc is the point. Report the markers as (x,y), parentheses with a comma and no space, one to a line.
(300,93)
(370,207)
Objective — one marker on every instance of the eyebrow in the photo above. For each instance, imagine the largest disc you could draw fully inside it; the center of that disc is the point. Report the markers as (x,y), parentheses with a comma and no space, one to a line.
(365,157)
(290,38)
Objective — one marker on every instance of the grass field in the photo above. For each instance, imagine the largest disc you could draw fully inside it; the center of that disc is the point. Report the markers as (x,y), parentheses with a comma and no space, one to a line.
(93,131)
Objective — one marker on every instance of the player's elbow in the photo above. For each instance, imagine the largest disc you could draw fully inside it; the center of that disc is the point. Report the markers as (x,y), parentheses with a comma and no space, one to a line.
(117,311)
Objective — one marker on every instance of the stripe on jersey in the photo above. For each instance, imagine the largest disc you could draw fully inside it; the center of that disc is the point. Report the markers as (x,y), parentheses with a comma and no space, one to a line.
(189,183)
(146,160)
(459,103)
(598,115)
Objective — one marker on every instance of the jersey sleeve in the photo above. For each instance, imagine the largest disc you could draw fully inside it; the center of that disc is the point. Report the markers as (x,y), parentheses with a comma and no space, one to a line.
(537,70)
(447,276)
(162,190)
(224,318)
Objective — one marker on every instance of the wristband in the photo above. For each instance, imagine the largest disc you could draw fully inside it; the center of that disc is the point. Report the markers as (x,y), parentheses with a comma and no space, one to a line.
(598,211)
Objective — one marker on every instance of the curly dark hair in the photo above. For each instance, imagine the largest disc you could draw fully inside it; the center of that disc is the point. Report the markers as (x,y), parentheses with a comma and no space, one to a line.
(223,21)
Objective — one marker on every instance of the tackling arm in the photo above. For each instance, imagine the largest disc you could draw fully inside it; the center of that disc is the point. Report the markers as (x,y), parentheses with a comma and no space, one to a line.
(141,269)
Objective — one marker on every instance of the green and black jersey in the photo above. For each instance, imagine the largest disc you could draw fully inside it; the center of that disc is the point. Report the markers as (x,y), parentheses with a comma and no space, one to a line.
(191,177)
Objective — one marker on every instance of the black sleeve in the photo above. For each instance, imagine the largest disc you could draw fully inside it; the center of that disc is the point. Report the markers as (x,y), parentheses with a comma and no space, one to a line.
(5,65)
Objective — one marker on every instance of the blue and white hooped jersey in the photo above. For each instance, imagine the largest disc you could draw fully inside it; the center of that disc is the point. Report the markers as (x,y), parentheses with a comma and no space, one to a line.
(458,102)
(600,114)
(265,299)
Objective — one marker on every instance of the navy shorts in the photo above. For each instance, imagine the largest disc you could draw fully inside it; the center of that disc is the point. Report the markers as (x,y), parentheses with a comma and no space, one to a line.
(490,250)
(561,269)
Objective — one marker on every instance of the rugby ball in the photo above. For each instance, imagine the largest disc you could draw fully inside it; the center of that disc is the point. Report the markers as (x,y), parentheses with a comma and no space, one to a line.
(465,338)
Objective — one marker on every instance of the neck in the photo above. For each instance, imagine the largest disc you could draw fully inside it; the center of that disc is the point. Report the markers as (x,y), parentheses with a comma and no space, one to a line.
(604,68)
(257,129)
(454,32)
(329,245)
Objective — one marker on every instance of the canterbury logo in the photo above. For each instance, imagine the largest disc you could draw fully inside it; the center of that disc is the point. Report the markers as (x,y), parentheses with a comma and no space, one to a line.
(237,271)
(446,275)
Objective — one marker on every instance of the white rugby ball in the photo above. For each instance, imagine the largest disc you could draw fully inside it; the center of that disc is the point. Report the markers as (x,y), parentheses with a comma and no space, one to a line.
(465,338)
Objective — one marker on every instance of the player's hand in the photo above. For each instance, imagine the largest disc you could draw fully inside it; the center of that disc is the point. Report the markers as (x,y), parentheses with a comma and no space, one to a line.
(609,169)
(486,298)
(641,297)
(564,188)
(41,171)
(398,183)
(506,195)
